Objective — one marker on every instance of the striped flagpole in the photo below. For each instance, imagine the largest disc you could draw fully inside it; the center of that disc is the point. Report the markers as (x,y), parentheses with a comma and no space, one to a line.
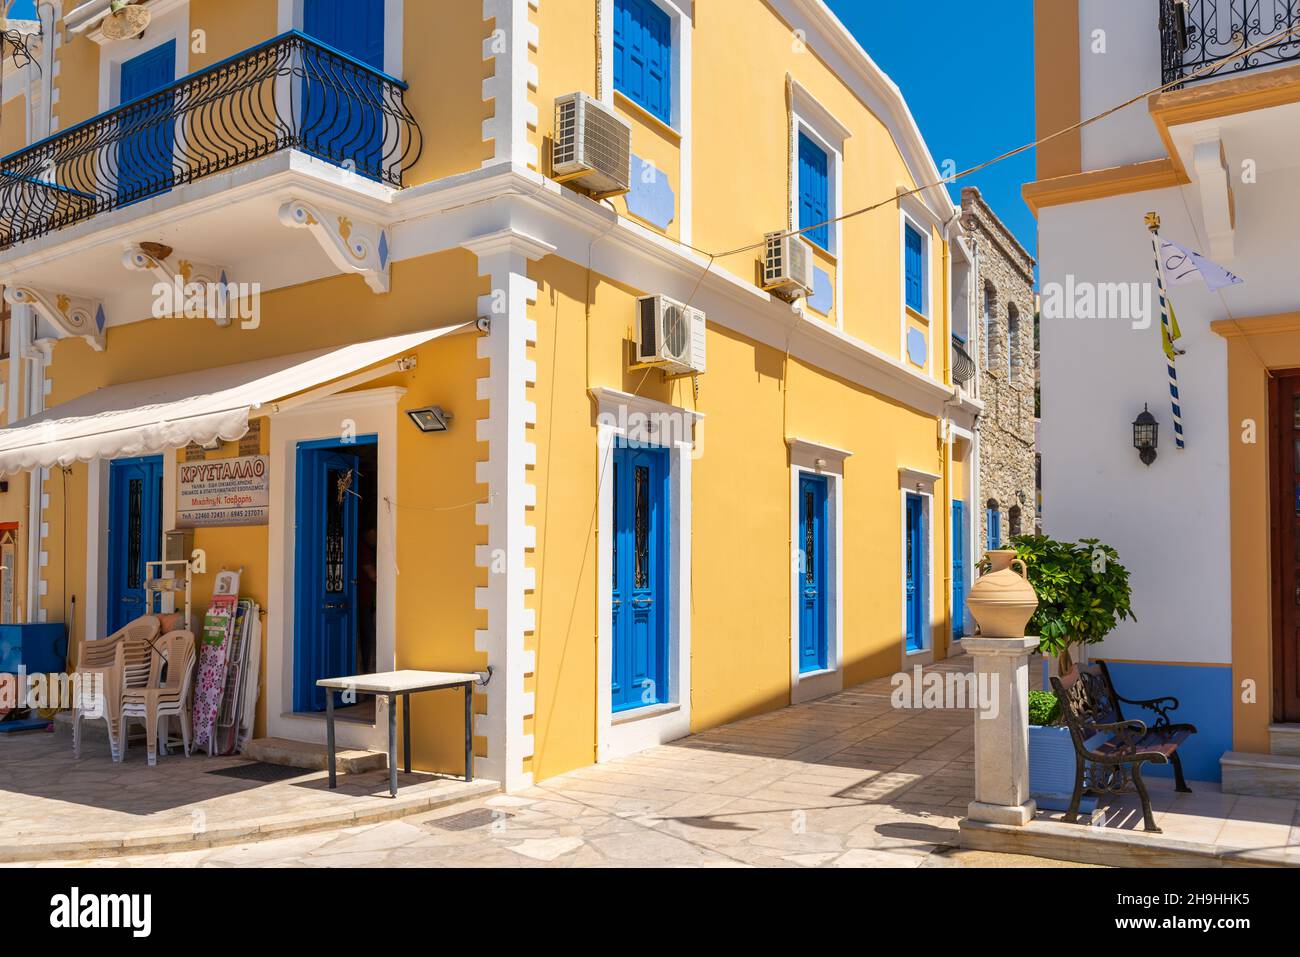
(1167,333)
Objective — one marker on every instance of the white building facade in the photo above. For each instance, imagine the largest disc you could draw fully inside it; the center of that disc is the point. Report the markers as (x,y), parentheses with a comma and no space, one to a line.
(1207,532)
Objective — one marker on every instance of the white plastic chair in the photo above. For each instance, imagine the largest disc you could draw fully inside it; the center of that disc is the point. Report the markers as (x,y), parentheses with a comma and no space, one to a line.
(163,698)
(107,659)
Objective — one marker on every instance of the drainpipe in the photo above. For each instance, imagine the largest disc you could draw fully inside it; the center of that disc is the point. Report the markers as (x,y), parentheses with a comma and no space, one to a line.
(945,449)
(36,478)
(43,123)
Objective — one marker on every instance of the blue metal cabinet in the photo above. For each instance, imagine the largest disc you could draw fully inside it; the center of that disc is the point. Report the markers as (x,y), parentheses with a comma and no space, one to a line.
(39,648)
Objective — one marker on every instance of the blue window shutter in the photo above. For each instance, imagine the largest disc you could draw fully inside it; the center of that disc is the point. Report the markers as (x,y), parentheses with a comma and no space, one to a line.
(914,266)
(814,191)
(643,56)
(994,539)
(355,27)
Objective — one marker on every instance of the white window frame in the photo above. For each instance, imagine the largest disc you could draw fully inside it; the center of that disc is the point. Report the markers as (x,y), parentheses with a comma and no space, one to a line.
(810,117)
(812,458)
(683,28)
(174,25)
(621,416)
(915,215)
(917,482)
(289,16)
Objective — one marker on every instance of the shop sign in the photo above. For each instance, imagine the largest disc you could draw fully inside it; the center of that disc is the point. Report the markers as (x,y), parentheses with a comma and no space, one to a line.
(223,492)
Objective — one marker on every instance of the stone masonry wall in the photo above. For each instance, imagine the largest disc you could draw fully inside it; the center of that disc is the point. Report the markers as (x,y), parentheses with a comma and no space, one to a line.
(1007,453)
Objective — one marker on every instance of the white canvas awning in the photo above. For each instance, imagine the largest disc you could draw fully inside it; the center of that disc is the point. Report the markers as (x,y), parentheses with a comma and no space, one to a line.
(153,415)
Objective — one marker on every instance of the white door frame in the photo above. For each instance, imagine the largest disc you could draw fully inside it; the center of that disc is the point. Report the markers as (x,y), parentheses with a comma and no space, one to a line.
(623,415)
(370,412)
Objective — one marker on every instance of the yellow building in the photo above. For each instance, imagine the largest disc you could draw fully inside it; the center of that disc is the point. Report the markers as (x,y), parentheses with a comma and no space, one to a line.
(284,238)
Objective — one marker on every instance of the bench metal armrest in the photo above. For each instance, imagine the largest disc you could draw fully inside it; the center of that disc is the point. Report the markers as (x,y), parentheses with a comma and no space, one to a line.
(1160,706)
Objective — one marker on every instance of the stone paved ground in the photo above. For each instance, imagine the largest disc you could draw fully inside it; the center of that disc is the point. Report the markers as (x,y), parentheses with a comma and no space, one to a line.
(845,781)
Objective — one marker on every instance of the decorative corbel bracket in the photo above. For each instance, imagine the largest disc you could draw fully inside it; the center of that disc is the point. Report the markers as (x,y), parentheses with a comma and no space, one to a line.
(352,245)
(1218,205)
(183,278)
(71,315)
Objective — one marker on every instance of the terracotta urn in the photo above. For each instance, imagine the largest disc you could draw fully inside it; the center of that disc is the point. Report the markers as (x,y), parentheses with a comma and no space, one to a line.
(1002,601)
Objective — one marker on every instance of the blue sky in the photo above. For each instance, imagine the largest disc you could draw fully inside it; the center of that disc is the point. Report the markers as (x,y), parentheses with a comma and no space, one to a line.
(967,71)
(23,10)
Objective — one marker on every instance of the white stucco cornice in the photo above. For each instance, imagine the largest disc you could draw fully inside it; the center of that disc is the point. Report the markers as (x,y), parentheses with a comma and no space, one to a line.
(846,57)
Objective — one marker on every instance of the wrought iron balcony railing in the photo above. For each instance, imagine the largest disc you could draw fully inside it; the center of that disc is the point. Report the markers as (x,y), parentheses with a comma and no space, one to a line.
(288,93)
(1210,38)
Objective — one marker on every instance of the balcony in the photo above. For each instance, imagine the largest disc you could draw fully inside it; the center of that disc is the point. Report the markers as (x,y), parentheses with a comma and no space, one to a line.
(290,93)
(1196,34)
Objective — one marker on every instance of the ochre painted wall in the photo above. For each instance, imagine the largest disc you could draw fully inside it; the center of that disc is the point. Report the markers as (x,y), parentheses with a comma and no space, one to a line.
(13,124)
(742,162)
(741,153)
(229,26)
(443,64)
(77,81)
(752,399)
(434,515)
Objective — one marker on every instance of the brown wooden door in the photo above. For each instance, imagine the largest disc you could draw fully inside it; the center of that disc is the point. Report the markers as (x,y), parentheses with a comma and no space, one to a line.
(1286,545)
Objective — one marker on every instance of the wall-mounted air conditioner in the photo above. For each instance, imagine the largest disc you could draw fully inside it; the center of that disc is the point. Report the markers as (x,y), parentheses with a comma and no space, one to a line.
(669,334)
(592,147)
(787,266)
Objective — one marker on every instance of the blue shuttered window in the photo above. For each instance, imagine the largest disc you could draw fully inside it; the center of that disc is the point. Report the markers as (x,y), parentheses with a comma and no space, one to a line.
(814,192)
(914,267)
(643,56)
(994,529)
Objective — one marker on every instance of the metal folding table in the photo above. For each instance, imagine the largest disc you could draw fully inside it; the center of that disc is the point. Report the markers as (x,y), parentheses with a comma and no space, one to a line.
(403,684)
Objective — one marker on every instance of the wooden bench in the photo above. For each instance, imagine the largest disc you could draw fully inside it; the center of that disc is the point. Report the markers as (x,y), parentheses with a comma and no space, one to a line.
(1109,749)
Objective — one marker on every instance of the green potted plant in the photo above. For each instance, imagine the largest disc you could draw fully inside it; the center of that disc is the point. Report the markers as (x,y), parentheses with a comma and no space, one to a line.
(1083,593)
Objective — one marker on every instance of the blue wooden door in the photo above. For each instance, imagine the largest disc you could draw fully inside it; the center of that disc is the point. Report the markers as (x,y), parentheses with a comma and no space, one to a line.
(640,600)
(958,569)
(146,133)
(342,117)
(914,567)
(325,585)
(134,534)
(814,566)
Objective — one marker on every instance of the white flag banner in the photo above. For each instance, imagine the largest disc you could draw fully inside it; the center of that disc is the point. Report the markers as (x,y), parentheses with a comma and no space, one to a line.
(1182,265)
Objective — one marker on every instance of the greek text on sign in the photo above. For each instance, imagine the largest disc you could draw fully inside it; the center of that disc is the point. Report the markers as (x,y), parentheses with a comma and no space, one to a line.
(224,492)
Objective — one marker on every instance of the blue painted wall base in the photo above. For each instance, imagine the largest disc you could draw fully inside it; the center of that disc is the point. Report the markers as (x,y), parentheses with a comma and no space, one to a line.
(1205,697)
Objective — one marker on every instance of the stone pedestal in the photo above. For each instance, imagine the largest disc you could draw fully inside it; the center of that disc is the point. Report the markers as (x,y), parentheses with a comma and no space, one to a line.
(1002,734)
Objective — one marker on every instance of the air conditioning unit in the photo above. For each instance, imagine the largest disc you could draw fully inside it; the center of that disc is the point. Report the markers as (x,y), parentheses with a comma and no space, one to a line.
(592,147)
(787,266)
(669,334)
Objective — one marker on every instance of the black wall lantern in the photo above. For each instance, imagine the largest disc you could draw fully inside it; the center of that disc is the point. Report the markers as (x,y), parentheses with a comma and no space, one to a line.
(1146,435)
